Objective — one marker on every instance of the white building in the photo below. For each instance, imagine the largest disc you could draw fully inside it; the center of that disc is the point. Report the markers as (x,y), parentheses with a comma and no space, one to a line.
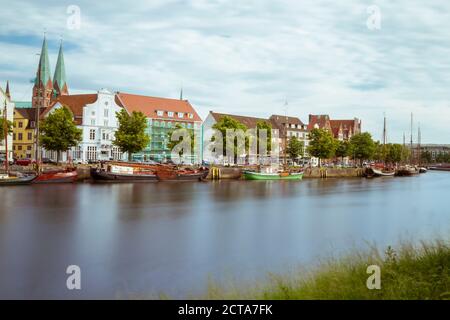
(5,97)
(95,115)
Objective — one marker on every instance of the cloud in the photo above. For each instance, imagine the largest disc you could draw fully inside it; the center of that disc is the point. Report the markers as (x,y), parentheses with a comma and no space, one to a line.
(249,56)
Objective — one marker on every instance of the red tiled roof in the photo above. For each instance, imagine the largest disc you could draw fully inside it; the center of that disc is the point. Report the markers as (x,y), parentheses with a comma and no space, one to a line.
(322,120)
(151,105)
(286,119)
(249,122)
(75,103)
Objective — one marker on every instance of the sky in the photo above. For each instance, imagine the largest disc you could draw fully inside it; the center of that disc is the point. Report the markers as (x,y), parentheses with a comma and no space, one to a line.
(363,59)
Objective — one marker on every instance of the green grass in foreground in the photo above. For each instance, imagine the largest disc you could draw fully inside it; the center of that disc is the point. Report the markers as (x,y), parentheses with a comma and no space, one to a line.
(409,272)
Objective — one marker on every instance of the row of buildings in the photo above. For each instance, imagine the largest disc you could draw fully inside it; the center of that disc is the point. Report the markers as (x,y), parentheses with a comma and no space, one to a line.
(95,114)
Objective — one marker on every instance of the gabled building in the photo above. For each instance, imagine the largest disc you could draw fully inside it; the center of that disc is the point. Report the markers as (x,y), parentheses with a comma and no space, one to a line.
(95,115)
(24,135)
(342,130)
(163,115)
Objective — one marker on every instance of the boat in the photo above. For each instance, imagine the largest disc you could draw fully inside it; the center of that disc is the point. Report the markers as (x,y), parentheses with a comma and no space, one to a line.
(440,168)
(423,170)
(8,180)
(373,172)
(172,173)
(123,173)
(407,171)
(252,175)
(57,176)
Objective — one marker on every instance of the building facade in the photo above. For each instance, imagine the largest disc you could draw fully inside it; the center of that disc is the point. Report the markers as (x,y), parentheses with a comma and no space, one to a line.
(24,135)
(163,115)
(5,101)
(342,130)
(95,115)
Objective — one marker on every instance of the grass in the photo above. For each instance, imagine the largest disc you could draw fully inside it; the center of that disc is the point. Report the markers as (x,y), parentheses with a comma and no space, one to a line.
(417,272)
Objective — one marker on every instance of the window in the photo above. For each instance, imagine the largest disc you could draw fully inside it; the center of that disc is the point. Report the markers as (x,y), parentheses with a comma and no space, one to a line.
(106,123)
(19,147)
(160,113)
(28,148)
(77,153)
(105,113)
(116,153)
(92,134)
(189,125)
(169,124)
(92,153)
(33,124)
(92,122)
(105,136)
(93,113)
(191,116)
(20,136)
(155,123)
(30,135)
(14,136)
(170,114)
(20,124)
(180,114)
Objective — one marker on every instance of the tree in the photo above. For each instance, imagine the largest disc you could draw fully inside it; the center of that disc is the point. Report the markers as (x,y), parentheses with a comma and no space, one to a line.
(322,144)
(395,153)
(426,157)
(9,128)
(58,132)
(130,136)
(171,144)
(295,148)
(228,123)
(362,147)
(342,150)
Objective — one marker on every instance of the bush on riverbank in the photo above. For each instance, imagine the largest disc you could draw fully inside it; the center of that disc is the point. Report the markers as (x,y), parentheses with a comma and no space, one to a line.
(411,272)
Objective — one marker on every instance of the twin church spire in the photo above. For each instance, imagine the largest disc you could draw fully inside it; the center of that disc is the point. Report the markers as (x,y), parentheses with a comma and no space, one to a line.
(45,90)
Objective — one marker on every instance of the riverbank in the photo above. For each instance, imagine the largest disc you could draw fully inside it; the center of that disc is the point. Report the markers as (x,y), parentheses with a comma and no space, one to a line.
(409,272)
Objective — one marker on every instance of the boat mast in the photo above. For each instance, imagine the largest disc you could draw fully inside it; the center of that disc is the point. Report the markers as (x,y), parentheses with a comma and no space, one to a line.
(419,142)
(411,141)
(384,131)
(5,131)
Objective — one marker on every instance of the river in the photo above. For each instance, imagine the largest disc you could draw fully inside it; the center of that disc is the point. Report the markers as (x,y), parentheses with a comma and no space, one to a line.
(139,240)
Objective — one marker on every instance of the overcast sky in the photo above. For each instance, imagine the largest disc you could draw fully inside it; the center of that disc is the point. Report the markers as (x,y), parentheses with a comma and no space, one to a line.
(248,57)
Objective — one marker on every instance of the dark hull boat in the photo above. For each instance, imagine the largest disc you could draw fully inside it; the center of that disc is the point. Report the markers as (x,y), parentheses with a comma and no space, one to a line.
(61,176)
(103,175)
(166,173)
(440,168)
(16,181)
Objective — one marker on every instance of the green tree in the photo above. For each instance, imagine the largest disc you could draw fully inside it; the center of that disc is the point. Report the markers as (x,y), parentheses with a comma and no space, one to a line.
(58,132)
(9,128)
(362,147)
(295,148)
(130,136)
(228,123)
(322,144)
(171,144)
(342,149)
(395,153)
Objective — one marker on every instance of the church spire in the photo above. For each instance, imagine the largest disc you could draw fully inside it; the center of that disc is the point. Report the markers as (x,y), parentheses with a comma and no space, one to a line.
(7,90)
(59,79)
(43,72)
(43,86)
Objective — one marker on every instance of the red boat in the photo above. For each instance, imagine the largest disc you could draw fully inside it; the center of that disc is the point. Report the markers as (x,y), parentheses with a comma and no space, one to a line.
(57,176)
(169,173)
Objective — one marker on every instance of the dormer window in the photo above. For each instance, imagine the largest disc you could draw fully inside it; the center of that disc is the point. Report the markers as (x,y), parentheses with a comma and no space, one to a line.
(160,113)
(191,116)
(170,114)
(180,114)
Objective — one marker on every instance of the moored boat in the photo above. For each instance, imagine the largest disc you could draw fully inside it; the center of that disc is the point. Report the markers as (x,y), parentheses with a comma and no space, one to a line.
(171,173)
(440,168)
(251,175)
(423,170)
(57,176)
(373,172)
(119,173)
(407,171)
(7,180)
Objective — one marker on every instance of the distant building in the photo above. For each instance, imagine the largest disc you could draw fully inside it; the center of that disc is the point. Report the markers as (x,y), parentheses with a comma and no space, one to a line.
(163,115)
(287,127)
(24,135)
(342,130)
(95,114)
(435,150)
(5,98)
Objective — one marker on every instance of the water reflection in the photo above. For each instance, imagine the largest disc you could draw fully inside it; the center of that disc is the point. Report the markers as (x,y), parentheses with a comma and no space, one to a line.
(169,237)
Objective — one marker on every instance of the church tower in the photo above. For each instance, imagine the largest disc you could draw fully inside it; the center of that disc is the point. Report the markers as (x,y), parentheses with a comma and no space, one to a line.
(59,79)
(43,86)
(8,95)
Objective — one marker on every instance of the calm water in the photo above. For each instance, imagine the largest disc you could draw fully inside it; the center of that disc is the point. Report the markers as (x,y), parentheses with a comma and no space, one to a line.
(167,237)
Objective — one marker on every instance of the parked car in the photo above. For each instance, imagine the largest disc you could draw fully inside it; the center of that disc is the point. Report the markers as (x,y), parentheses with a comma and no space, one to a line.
(48,161)
(24,162)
